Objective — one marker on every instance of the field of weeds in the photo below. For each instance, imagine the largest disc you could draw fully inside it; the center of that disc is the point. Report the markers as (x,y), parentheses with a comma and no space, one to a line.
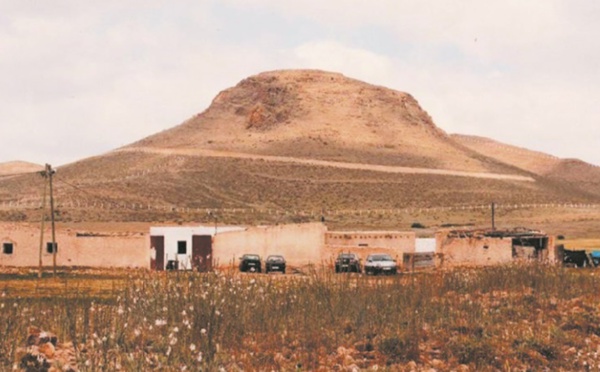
(501,318)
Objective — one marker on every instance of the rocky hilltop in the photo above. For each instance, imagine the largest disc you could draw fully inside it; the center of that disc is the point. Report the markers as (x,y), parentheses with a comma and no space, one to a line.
(322,115)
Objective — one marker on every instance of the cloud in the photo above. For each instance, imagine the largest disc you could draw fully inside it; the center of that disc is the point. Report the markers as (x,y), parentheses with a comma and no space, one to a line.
(333,56)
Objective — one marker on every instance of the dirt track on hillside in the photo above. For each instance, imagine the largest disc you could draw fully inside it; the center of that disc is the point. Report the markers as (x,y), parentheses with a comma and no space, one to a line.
(324,163)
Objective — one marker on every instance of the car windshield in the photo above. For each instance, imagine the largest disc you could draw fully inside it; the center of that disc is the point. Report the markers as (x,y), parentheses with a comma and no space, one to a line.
(251,257)
(275,258)
(347,255)
(381,257)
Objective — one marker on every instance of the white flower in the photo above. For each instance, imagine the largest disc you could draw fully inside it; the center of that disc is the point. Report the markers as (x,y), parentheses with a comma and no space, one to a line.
(137,332)
(203,331)
(192,347)
(199,358)
(176,329)
(173,341)
(160,322)
(120,311)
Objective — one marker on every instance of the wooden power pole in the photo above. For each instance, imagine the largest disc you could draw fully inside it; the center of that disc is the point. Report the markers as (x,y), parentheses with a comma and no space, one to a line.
(42,228)
(48,172)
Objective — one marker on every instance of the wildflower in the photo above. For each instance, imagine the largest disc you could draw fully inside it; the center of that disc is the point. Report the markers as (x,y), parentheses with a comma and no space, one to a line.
(137,332)
(160,322)
(120,311)
(217,313)
(169,351)
(199,358)
(203,331)
(192,347)
(176,329)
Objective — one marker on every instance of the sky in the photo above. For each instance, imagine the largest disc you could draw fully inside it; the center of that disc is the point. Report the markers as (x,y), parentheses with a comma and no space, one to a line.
(81,78)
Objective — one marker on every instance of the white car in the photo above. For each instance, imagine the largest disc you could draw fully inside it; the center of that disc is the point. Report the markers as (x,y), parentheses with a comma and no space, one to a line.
(380,264)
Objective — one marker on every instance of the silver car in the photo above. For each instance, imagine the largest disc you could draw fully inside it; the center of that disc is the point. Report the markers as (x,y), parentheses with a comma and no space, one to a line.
(380,263)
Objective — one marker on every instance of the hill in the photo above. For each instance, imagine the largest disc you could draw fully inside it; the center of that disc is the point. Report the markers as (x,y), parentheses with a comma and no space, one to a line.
(18,167)
(292,146)
(576,173)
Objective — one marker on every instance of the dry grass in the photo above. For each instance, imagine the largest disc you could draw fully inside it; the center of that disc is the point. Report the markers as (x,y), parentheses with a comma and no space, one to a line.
(510,317)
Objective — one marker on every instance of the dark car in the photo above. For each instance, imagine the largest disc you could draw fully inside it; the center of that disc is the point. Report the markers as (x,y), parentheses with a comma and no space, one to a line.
(275,263)
(380,264)
(250,263)
(347,262)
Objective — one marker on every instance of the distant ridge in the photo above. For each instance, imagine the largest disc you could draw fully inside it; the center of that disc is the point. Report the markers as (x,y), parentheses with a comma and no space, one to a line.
(577,173)
(18,167)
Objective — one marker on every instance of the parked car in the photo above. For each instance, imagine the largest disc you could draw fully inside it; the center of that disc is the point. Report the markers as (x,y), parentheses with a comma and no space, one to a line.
(275,263)
(250,263)
(347,262)
(380,264)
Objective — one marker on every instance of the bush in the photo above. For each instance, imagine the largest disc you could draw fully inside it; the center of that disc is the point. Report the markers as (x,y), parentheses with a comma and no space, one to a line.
(417,225)
(400,349)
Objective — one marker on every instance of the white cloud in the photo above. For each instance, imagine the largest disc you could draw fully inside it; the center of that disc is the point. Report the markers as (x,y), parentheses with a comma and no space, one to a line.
(356,63)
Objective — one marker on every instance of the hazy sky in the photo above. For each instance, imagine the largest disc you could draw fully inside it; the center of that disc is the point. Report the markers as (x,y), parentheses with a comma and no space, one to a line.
(80,78)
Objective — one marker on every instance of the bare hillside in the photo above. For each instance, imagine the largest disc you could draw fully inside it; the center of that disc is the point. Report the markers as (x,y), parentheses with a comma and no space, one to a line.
(323,115)
(18,167)
(290,146)
(578,174)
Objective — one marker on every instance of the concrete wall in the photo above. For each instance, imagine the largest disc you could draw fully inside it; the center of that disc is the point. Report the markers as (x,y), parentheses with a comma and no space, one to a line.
(101,250)
(365,243)
(465,251)
(175,234)
(300,244)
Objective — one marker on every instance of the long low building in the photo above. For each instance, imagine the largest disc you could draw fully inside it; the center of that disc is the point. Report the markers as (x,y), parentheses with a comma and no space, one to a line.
(204,247)
(492,247)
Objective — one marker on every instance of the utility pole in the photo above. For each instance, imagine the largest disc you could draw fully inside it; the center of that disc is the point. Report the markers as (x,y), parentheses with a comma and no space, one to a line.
(42,229)
(48,173)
